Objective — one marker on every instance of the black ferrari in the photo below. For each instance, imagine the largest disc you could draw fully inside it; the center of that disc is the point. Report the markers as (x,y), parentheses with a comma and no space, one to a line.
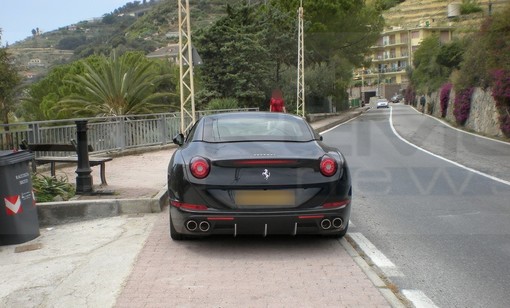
(256,173)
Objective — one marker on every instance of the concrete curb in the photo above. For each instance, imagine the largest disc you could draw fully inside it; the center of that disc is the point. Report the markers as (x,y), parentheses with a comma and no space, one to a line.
(57,213)
(386,292)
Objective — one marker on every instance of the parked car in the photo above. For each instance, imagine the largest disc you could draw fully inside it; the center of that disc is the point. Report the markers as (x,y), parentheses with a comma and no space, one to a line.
(382,103)
(396,98)
(257,173)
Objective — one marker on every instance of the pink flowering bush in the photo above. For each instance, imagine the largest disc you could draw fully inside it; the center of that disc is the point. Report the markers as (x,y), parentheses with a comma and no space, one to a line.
(501,94)
(462,105)
(444,98)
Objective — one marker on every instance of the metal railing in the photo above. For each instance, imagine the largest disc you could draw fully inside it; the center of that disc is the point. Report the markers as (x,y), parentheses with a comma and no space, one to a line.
(104,134)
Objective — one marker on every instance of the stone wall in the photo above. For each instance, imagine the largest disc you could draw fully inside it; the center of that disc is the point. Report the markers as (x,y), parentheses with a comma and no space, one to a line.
(483,117)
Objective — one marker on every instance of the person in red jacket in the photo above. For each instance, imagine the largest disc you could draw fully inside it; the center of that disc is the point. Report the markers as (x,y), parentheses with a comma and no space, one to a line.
(277,104)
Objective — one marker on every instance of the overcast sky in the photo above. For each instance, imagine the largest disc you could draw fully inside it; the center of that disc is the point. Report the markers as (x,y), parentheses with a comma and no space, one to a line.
(19,17)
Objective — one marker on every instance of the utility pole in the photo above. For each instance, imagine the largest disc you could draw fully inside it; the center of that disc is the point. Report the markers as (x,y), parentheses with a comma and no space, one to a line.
(186,67)
(300,110)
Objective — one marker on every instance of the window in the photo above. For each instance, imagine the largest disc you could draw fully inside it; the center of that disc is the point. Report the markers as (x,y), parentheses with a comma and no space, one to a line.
(255,127)
(403,37)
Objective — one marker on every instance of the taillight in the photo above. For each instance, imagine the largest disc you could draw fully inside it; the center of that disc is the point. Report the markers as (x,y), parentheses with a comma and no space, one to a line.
(328,166)
(199,167)
(336,205)
(188,206)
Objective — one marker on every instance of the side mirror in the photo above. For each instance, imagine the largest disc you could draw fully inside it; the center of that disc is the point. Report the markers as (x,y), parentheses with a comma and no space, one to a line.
(178,139)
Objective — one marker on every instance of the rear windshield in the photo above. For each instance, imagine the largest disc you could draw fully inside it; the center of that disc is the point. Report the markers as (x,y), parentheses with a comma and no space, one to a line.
(256,127)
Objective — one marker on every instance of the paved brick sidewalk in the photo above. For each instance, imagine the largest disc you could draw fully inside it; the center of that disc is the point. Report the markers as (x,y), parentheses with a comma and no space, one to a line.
(246,272)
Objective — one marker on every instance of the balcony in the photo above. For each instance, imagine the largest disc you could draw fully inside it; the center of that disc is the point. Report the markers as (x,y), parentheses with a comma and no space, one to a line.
(385,71)
(386,44)
(390,57)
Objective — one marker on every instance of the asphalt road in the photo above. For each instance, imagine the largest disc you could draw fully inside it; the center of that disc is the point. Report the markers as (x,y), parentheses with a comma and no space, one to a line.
(439,230)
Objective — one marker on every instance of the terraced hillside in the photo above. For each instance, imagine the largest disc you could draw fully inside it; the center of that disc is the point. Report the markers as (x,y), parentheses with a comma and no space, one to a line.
(419,13)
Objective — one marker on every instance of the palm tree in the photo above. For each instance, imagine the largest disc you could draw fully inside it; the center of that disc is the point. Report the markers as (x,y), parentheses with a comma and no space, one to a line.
(117,86)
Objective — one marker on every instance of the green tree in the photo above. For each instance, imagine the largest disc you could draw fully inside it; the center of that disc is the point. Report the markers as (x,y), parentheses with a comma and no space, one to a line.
(256,45)
(119,85)
(488,50)
(236,63)
(337,36)
(43,96)
(428,75)
(279,37)
(451,55)
(9,84)
(334,28)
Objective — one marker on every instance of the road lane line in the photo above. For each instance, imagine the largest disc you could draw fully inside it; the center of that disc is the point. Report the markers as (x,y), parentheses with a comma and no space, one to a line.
(419,299)
(377,257)
(443,158)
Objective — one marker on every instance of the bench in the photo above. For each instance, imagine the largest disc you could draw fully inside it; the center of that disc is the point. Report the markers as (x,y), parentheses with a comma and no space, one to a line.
(56,147)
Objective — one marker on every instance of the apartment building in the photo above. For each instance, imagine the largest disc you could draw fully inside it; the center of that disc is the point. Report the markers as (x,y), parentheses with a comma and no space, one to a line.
(412,21)
(393,53)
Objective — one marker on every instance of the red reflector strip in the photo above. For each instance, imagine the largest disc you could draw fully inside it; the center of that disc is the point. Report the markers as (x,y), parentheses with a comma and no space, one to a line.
(188,206)
(220,218)
(311,216)
(339,204)
(258,162)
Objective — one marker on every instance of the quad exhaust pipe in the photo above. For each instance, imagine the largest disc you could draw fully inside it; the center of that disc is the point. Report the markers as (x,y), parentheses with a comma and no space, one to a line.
(325,224)
(193,226)
(204,226)
(336,223)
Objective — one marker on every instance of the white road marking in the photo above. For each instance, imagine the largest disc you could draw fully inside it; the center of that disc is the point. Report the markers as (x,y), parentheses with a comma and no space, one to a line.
(419,299)
(443,158)
(377,257)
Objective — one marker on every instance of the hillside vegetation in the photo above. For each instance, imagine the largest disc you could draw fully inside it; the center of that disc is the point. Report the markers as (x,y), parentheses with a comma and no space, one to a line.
(135,26)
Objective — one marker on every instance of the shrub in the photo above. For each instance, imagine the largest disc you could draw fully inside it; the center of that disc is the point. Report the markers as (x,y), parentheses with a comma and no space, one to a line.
(469,7)
(46,188)
(444,98)
(223,103)
(501,94)
(462,105)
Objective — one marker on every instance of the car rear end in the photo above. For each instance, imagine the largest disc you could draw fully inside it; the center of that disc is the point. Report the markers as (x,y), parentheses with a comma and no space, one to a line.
(281,194)
(382,103)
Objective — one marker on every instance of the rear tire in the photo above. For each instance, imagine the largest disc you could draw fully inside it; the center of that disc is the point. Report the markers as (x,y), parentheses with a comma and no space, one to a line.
(176,236)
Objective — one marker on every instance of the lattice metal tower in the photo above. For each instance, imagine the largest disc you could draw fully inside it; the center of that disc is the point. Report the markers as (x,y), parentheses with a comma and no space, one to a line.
(300,110)
(186,67)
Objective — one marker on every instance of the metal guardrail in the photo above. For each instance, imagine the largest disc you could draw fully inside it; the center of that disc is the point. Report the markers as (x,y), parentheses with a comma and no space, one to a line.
(104,134)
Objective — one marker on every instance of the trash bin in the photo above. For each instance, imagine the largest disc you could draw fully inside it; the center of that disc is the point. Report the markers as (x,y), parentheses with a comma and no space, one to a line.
(18,213)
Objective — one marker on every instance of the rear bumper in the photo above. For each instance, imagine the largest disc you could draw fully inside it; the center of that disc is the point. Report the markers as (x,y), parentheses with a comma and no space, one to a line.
(321,221)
